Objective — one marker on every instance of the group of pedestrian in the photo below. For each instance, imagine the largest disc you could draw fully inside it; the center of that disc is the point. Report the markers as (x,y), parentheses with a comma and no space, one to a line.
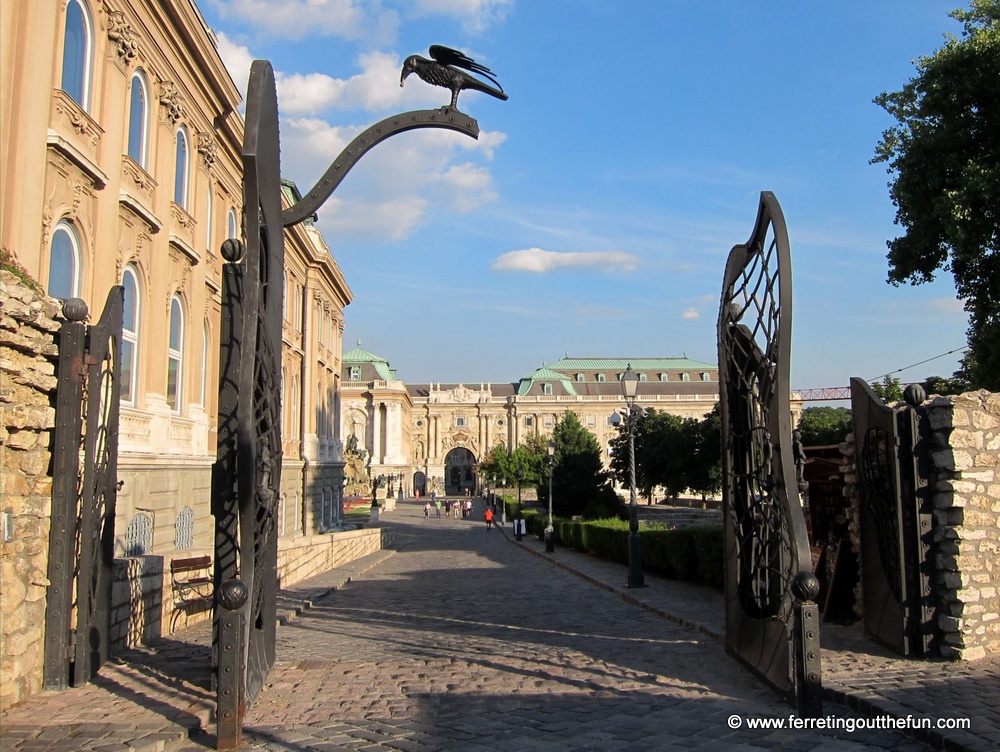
(452,507)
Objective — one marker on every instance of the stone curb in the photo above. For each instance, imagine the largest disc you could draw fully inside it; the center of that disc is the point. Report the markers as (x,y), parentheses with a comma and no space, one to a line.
(293,602)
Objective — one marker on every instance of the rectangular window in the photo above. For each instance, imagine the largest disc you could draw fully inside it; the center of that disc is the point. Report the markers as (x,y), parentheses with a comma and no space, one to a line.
(529,421)
(460,422)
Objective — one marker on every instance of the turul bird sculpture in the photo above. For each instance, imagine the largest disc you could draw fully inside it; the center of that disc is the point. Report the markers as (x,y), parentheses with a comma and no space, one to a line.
(446,70)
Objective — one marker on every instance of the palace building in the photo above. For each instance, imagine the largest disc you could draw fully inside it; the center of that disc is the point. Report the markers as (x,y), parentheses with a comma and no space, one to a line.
(431,436)
(121,165)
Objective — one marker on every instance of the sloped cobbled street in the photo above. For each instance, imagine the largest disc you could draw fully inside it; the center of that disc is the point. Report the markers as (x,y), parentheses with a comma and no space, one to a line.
(464,641)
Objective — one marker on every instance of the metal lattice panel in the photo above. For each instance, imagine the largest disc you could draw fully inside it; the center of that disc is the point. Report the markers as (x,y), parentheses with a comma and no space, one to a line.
(771,623)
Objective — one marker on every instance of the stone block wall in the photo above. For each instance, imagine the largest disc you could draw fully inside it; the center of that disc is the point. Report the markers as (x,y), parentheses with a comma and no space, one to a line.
(965,454)
(28,325)
(306,556)
(963,436)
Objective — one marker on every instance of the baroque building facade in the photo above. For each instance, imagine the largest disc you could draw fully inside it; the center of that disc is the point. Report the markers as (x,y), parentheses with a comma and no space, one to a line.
(428,437)
(121,165)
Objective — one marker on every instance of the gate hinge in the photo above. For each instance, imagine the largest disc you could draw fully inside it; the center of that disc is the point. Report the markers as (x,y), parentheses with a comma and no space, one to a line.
(71,645)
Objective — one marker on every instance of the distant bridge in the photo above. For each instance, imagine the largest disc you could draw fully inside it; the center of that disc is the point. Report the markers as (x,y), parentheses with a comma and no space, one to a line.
(818,395)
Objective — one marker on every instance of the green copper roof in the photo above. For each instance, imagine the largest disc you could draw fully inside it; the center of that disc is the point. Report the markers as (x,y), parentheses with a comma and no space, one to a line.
(381,365)
(639,364)
(546,374)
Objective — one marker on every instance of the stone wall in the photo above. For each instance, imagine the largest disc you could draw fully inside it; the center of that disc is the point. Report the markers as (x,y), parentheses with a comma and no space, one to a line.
(28,324)
(965,453)
(963,435)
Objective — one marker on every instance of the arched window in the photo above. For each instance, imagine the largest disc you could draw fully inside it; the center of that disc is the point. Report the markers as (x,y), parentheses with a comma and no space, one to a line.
(65,261)
(175,354)
(139,535)
(181,169)
(184,529)
(231,228)
(130,334)
(77,53)
(138,119)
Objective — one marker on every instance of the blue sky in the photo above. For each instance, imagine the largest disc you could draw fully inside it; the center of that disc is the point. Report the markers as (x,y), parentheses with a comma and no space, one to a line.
(594,215)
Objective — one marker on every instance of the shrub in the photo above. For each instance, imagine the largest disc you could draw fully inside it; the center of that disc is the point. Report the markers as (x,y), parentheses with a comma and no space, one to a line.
(694,554)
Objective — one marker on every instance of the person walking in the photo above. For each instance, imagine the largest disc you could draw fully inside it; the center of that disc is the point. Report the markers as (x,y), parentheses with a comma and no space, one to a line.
(427,509)
(488,515)
(437,507)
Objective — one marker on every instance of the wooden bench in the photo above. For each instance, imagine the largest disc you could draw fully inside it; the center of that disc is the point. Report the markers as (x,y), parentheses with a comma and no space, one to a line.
(193,587)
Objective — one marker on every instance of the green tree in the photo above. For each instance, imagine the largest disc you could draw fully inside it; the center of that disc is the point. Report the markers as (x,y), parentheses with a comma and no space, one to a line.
(938,385)
(822,426)
(944,161)
(705,470)
(578,479)
(890,390)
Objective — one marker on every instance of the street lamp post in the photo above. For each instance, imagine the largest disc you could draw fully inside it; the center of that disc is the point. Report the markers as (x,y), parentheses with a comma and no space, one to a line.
(550,545)
(520,516)
(503,504)
(630,385)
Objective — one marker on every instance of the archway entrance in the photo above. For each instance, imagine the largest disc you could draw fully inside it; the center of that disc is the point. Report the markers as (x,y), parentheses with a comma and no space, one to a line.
(459,473)
(420,483)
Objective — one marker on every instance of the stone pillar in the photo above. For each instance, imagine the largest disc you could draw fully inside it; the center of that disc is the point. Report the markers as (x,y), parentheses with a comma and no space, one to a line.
(27,374)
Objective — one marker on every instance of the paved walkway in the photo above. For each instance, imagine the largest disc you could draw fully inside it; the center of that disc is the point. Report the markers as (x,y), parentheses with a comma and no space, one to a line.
(464,640)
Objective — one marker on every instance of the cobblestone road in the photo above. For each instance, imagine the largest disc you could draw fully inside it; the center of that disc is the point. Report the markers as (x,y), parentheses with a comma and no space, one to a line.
(463,641)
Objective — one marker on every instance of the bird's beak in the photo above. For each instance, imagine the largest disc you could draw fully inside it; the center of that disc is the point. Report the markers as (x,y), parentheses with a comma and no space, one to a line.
(407,70)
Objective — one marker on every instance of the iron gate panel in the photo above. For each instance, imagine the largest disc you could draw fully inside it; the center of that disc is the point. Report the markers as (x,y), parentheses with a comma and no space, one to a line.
(894,522)
(81,541)
(248,470)
(771,619)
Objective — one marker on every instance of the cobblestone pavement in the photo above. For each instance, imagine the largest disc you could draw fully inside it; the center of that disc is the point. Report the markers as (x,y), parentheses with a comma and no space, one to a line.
(464,640)
(461,641)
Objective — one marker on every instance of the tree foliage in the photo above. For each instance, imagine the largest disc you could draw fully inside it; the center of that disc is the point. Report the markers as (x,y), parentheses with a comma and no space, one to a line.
(889,390)
(672,453)
(822,426)
(578,478)
(943,157)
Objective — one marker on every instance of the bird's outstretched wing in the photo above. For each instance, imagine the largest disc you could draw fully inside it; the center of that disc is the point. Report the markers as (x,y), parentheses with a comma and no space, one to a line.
(448,56)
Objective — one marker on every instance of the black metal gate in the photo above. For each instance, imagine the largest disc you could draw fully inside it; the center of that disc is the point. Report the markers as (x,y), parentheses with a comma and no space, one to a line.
(82,533)
(247,474)
(895,521)
(772,621)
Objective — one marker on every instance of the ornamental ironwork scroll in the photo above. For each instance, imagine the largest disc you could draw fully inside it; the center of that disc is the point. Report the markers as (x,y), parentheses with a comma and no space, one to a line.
(772,620)
(895,520)
(82,536)
(246,475)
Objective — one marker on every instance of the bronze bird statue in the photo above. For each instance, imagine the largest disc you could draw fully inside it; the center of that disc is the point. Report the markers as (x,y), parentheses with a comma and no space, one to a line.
(446,70)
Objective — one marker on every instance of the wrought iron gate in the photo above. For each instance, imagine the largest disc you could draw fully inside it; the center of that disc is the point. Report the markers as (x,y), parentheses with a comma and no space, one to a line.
(247,474)
(82,533)
(772,621)
(894,520)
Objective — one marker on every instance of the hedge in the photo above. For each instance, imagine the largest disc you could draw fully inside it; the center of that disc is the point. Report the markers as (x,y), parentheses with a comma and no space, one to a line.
(693,553)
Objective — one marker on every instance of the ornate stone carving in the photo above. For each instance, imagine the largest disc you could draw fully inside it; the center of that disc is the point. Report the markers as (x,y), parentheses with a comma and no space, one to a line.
(207,148)
(171,102)
(124,40)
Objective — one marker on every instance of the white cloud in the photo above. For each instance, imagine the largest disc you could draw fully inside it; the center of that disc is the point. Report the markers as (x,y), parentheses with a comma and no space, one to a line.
(538,261)
(295,19)
(375,88)
(466,187)
(388,221)
(237,60)
(475,15)
(691,314)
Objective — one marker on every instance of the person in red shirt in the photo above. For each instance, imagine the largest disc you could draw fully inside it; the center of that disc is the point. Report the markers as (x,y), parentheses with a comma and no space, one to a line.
(489,518)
